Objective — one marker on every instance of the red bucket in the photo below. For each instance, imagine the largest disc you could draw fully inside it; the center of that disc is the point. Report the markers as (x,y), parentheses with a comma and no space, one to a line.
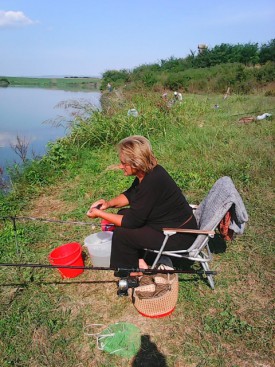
(107,226)
(69,254)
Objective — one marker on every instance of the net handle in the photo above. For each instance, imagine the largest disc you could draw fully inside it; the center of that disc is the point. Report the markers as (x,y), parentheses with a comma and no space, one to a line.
(97,335)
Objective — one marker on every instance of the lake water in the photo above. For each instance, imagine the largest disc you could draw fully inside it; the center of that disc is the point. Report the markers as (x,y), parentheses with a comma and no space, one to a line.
(22,113)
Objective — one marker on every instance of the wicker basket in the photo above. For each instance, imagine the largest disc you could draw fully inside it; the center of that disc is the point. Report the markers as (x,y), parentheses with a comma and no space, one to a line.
(161,305)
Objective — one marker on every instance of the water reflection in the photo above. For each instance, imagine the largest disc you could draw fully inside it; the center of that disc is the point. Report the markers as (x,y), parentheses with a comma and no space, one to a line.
(6,139)
(22,113)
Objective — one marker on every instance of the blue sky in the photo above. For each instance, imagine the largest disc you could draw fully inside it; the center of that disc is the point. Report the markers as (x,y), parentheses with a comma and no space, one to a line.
(88,37)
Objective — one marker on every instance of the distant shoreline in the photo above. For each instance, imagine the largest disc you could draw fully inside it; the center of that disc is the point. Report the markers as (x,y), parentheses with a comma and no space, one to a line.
(83,82)
(50,76)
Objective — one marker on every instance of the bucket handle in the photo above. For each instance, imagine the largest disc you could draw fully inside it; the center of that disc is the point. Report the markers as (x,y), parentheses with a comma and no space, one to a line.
(98,244)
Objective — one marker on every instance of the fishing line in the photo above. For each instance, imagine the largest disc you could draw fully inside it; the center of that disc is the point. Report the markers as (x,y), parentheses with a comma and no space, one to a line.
(13,219)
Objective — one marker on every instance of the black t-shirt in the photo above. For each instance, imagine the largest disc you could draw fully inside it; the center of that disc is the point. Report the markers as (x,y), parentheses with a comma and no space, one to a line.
(157,202)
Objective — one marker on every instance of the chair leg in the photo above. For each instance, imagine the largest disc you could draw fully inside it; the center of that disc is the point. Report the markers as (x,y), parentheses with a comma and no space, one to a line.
(160,251)
(210,278)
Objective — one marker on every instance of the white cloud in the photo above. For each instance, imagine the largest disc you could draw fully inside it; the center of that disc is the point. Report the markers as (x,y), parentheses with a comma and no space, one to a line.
(12,18)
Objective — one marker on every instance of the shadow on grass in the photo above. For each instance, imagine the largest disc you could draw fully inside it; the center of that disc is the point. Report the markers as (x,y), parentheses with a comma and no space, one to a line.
(217,244)
(149,355)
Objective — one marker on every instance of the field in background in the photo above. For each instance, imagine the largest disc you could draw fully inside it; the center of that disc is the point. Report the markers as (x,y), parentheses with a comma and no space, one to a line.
(44,318)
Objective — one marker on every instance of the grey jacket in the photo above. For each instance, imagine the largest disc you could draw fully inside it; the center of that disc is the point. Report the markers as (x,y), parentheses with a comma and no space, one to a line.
(222,197)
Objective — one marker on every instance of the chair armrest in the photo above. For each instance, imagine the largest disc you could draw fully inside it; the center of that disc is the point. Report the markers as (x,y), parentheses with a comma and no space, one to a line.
(181,230)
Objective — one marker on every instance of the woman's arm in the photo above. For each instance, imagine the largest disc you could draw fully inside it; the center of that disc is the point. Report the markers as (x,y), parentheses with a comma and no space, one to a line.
(116,219)
(118,202)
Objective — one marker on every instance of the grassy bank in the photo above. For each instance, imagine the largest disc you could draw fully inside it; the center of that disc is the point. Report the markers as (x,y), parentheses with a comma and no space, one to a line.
(176,75)
(54,83)
(44,318)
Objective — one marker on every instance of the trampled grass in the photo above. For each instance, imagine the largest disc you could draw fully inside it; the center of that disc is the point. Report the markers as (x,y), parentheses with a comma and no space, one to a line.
(45,319)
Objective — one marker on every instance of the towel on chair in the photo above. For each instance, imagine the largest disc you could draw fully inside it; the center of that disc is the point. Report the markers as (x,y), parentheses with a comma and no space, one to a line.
(223,197)
(223,227)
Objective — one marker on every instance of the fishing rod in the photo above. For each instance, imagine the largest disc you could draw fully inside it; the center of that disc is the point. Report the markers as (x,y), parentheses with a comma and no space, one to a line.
(126,280)
(120,272)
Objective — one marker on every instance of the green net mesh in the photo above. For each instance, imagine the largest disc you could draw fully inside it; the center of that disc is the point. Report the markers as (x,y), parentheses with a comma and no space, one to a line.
(123,339)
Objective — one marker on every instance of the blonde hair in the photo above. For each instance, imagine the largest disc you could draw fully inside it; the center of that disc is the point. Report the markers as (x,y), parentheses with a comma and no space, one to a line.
(137,152)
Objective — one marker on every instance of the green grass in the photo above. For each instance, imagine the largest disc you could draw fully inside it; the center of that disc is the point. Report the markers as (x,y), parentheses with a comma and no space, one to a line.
(44,318)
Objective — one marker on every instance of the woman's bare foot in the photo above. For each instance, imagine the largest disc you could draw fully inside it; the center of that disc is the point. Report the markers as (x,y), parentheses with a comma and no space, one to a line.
(142,265)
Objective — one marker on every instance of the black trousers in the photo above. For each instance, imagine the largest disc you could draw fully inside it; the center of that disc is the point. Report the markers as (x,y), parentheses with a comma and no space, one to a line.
(128,244)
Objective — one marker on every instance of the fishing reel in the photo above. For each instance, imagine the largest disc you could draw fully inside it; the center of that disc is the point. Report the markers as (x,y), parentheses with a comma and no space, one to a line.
(125,282)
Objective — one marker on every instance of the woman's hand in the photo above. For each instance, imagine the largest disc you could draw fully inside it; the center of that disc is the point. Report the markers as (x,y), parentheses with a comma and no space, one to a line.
(99,204)
(93,213)
(97,209)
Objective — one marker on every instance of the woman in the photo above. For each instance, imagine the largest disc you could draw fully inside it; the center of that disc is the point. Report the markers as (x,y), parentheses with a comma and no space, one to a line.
(155,202)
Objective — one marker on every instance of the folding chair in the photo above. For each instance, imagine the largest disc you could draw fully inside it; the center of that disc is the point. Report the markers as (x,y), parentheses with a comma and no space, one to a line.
(223,197)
